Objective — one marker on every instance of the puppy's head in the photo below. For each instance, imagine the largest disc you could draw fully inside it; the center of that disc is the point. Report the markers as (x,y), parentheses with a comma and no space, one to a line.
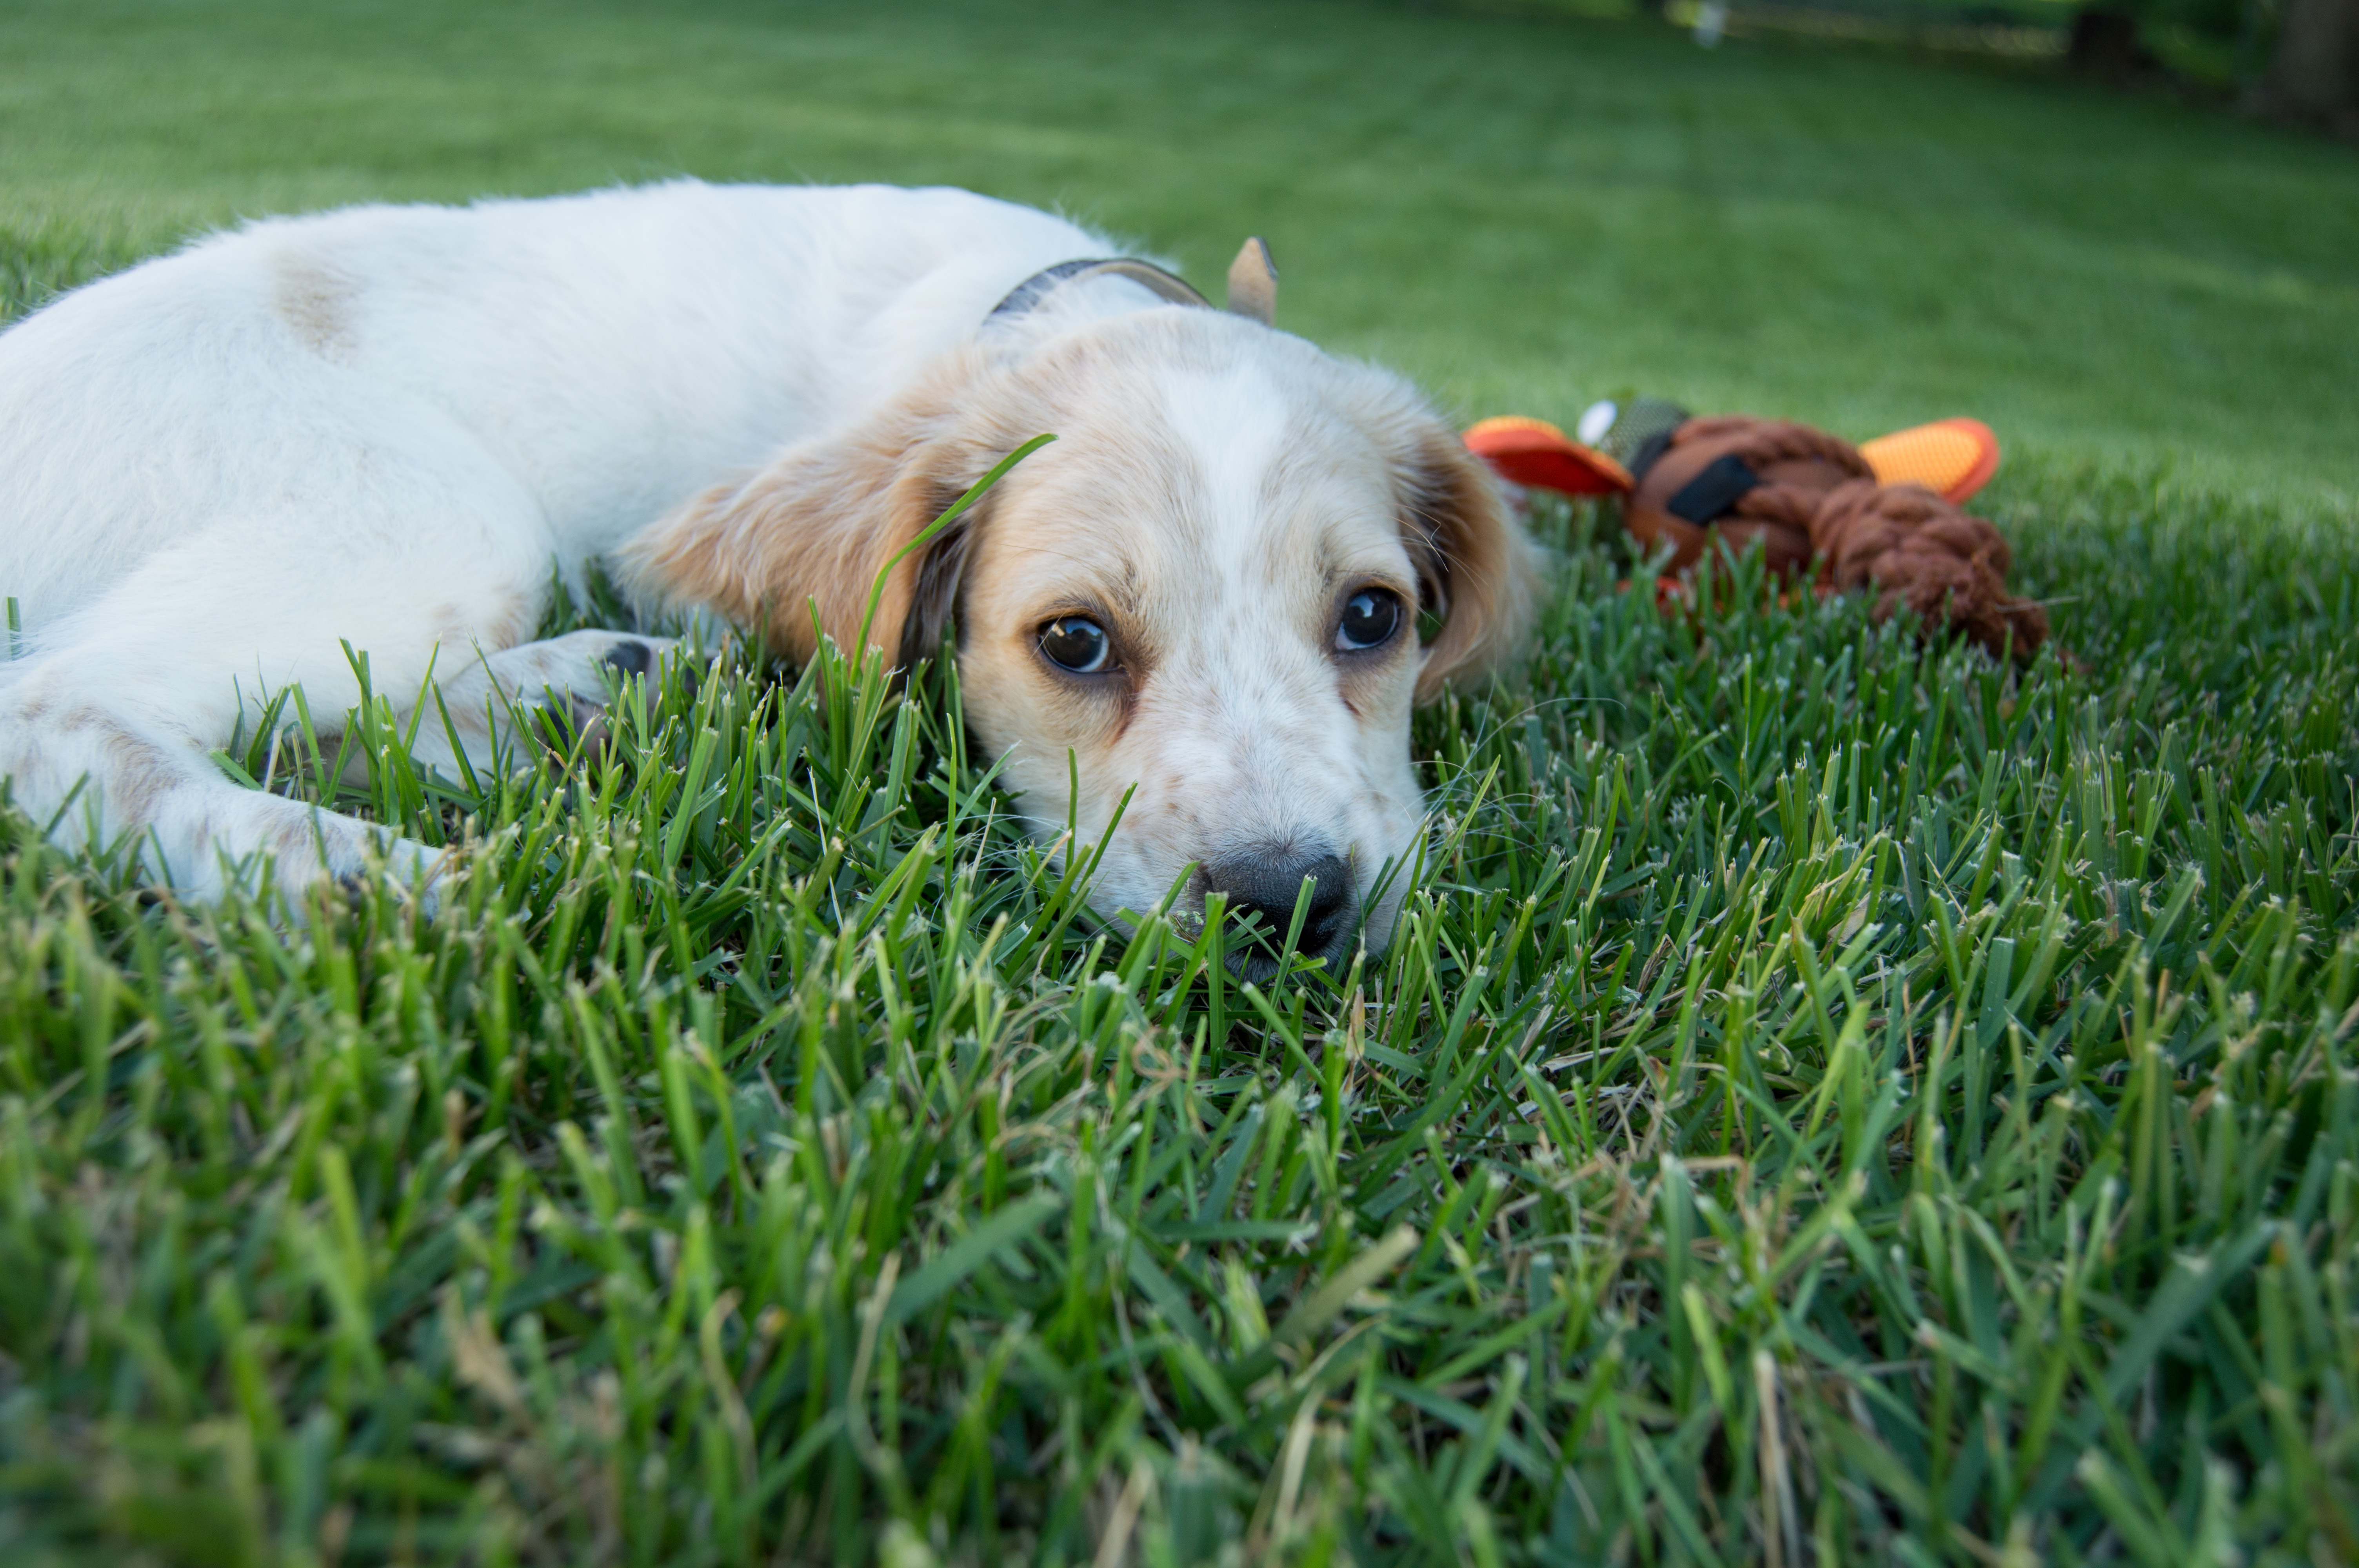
(1205,594)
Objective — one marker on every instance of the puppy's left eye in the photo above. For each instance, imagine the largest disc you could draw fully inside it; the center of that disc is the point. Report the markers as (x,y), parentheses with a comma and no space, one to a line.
(1369,618)
(1077,643)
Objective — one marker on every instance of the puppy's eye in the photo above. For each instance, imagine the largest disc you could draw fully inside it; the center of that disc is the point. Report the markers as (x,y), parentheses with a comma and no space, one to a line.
(1369,618)
(1076,643)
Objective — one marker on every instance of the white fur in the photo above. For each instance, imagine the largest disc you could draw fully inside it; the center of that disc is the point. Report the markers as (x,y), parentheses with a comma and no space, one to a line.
(382,425)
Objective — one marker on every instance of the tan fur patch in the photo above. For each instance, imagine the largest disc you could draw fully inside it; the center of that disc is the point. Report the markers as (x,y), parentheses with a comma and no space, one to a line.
(137,773)
(1483,568)
(818,526)
(315,303)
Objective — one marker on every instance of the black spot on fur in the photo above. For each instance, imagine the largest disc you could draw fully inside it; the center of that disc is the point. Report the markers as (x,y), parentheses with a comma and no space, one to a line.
(630,658)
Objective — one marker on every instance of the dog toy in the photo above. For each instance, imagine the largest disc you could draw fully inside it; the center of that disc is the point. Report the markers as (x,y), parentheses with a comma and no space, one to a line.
(1885,516)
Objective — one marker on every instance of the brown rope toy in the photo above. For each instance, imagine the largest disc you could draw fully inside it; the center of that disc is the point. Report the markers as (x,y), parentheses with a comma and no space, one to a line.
(1804,496)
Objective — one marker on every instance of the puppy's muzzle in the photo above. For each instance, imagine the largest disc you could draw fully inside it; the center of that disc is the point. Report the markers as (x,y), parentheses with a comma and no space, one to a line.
(1264,882)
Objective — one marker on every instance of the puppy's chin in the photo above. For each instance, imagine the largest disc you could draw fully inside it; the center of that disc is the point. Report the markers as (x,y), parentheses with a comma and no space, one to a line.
(1380,911)
(1256,957)
(1254,964)
(1256,952)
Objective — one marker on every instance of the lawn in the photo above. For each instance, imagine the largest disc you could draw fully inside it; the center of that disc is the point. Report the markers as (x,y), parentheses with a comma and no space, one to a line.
(1830,1099)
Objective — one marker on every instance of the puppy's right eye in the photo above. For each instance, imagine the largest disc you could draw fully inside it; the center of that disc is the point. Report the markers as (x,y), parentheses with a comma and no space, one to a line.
(1077,643)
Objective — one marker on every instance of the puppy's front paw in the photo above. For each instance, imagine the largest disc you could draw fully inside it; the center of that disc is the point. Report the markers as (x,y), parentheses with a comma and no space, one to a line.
(546,700)
(357,858)
(636,655)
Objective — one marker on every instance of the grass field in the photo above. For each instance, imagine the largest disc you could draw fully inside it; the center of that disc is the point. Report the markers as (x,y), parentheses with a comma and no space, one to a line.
(1829,1100)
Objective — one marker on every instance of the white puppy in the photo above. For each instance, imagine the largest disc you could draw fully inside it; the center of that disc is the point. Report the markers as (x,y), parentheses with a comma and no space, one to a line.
(382,426)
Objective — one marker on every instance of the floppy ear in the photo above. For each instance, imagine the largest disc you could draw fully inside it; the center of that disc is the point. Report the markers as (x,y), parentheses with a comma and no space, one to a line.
(818,524)
(1474,566)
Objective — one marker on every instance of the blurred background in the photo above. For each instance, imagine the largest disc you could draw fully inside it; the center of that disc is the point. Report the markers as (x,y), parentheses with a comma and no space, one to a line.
(2127,237)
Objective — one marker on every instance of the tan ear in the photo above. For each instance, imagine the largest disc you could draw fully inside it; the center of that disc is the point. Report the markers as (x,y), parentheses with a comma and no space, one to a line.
(1253,283)
(1475,567)
(818,524)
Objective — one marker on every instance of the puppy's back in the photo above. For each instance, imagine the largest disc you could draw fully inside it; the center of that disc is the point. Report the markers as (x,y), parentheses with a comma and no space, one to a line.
(612,352)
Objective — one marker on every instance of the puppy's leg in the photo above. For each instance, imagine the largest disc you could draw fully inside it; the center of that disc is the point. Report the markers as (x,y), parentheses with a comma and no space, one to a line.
(108,725)
(570,679)
(97,774)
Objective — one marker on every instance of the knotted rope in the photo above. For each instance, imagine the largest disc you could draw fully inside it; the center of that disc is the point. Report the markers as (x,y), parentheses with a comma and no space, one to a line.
(1804,494)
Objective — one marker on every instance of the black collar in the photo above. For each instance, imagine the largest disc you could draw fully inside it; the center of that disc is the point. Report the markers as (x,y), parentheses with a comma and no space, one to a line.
(1027,295)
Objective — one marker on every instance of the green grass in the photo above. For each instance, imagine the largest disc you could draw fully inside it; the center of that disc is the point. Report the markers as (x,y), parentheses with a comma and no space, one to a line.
(1525,215)
(1829,1099)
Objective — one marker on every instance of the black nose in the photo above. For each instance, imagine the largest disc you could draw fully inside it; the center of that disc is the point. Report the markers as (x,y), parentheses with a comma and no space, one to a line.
(1265,884)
